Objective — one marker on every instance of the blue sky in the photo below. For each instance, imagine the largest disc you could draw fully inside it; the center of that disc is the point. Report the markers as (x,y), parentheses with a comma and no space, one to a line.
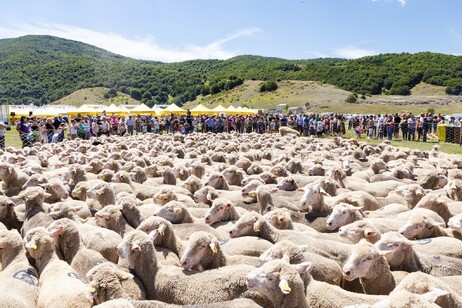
(177,30)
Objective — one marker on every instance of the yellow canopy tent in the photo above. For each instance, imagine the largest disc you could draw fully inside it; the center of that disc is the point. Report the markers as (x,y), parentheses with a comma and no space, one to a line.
(220,109)
(19,111)
(232,110)
(172,108)
(157,110)
(84,109)
(113,109)
(249,111)
(141,109)
(201,109)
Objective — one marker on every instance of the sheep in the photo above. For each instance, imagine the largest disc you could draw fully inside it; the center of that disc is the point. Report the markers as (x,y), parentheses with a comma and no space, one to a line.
(56,189)
(167,194)
(176,213)
(197,169)
(439,204)
(313,200)
(206,195)
(454,189)
(35,215)
(141,191)
(284,130)
(102,240)
(433,180)
(168,176)
(58,281)
(421,283)
(406,299)
(8,215)
(172,284)
(412,193)
(322,269)
(70,248)
(192,184)
(221,210)
(204,252)
(360,229)
(181,172)
(343,214)
(287,184)
(368,264)
(12,179)
(111,217)
(99,196)
(19,279)
(280,282)
(281,219)
(233,175)
(217,181)
(108,281)
(374,168)
(106,175)
(279,170)
(455,223)
(402,256)
(421,226)
(161,232)
(244,225)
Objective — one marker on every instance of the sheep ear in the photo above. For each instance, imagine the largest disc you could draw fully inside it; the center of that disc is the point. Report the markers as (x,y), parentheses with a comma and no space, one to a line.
(162,229)
(323,192)
(385,252)
(302,267)
(99,192)
(44,185)
(136,247)
(354,208)
(56,232)
(10,169)
(88,168)
(209,197)
(154,234)
(284,286)
(214,247)
(301,189)
(433,295)
(274,189)
(286,258)
(76,208)
(368,232)
(177,211)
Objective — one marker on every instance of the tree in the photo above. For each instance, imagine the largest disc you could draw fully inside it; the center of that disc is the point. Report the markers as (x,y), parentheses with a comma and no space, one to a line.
(268,86)
(135,94)
(352,98)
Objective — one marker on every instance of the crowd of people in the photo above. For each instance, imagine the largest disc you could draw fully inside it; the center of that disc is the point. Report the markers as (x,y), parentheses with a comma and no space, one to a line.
(53,130)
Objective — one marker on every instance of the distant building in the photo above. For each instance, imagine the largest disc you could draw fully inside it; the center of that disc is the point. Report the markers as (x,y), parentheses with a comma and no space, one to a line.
(282,108)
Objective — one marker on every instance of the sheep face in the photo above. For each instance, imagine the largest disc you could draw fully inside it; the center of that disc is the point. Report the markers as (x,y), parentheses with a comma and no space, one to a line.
(164,196)
(279,218)
(418,227)
(200,244)
(396,244)
(35,180)
(121,177)
(363,256)
(215,180)
(38,242)
(56,188)
(243,226)
(287,184)
(455,223)
(274,279)
(171,212)
(341,215)
(205,195)
(217,211)
(6,170)
(312,196)
(357,231)
(9,240)
(251,186)
(5,206)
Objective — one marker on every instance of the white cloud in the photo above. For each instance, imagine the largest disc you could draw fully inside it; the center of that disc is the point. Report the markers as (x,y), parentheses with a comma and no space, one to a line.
(456,34)
(351,52)
(402,2)
(138,47)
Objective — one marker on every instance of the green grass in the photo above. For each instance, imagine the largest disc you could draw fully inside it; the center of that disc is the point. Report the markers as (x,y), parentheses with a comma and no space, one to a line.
(12,139)
(95,96)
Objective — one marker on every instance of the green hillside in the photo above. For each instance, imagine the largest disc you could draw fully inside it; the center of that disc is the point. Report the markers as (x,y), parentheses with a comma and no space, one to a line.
(44,69)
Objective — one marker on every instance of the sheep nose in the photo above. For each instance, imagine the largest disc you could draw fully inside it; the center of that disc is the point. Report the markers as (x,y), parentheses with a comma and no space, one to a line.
(329,223)
(347,272)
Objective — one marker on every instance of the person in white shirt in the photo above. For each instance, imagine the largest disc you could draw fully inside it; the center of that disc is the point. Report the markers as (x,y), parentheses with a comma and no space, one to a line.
(3,126)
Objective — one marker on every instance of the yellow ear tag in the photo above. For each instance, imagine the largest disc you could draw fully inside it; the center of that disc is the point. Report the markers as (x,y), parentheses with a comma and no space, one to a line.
(91,289)
(33,246)
(177,211)
(78,191)
(159,197)
(100,215)
(284,286)
(252,194)
(99,192)
(124,276)
(162,233)
(214,248)
(257,229)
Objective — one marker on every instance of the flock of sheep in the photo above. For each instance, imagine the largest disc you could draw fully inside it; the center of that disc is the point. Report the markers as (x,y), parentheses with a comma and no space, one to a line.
(229,220)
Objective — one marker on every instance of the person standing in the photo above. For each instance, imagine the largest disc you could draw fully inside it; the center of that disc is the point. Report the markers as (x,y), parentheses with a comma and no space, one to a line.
(3,127)
(129,124)
(23,130)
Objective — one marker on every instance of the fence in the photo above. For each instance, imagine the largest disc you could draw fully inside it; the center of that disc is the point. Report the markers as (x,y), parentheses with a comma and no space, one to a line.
(450,134)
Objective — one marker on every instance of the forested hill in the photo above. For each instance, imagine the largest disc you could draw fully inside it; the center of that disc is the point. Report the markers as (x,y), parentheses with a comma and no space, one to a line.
(42,69)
